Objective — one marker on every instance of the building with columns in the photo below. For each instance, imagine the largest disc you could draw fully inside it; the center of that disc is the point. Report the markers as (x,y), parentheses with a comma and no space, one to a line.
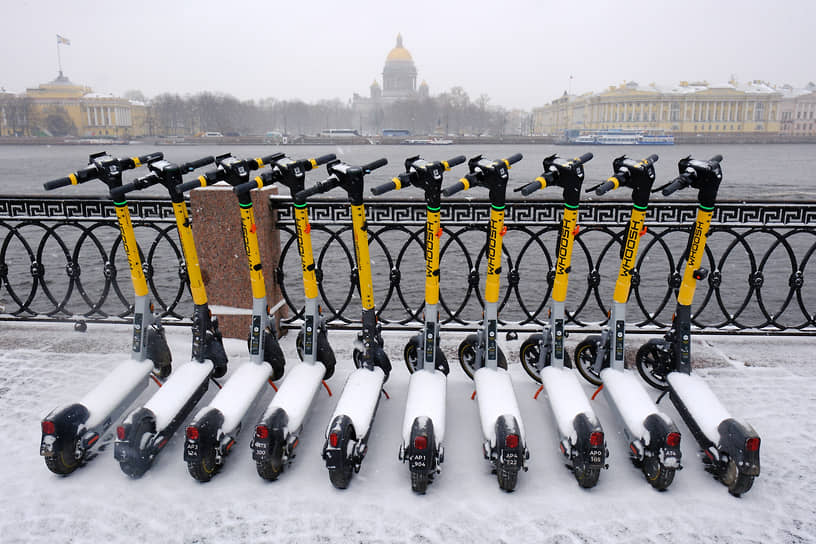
(798,112)
(687,110)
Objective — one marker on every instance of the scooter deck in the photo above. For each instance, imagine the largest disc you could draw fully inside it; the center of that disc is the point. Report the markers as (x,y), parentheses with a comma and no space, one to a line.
(701,403)
(240,392)
(496,397)
(359,398)
(630,399)
(295,395)
(177,391)
(109,394)
(567,399)
(427,396)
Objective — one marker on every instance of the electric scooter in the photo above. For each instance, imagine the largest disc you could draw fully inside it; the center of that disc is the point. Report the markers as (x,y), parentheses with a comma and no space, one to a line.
(277,433)
(349,428)
(505,442)
(423,426)
(74,434)
(731,447)
(581,438)
(214,429)
(146,430)
(654,441)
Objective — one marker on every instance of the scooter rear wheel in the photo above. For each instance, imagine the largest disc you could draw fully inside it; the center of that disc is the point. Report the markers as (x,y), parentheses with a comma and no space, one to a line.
(270,469)
(63,461)
(419,482)
(203,468)
(737,482)
(411,354)
(659,476)
(585,354)
(508,478)
(587,478)
(652,366)
(467,355)
(135,468)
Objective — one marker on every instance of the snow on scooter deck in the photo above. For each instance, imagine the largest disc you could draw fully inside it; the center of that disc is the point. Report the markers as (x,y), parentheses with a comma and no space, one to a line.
(359,399)
(103,399)
(633,403)
(177,391)
(296,394)
(496,395)
(567,399)
(703,405)
(426,397)
(240,392)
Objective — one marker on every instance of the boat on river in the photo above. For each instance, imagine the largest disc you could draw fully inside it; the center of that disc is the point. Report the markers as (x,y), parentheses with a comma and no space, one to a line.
(623,137)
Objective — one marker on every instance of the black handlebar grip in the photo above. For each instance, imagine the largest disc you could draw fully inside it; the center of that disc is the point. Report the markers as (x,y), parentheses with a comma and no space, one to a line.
(586,157)
(323,159)
(453,189)
(716,158)
(150,157)
(246,187)
(677,183)
(55,183)
(457,160)
(531,188)
(605,187)
(184,187)
(384,188)
(513,159)
(374,165)
(192,165)
(319,187)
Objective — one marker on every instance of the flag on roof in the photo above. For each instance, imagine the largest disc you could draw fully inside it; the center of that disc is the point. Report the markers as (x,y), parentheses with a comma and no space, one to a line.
(62,40)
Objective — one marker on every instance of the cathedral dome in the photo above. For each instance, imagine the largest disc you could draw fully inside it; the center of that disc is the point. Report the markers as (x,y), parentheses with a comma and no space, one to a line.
(399,53)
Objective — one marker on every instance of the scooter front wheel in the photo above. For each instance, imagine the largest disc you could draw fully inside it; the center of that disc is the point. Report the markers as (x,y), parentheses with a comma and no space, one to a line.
(325,353)
(411,354)
(585,359)
(467,355)
(529,354)
(652,364)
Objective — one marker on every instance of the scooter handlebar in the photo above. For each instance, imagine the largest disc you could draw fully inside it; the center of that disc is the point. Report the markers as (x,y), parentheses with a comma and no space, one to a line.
(652,158)
(194,165)
(513,159)
(80,176)
(368,168)
(384,188)
(249,185)
(608,185)
(585,158)
(539,183)
(320,161)
(453,189)
(56,183)
(319,187)
(680,182)
(129,164)
(716,158)
(457,160)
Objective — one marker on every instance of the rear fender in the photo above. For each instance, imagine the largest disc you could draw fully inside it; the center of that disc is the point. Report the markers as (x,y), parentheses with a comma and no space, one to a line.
(125,449)
(67,422)
(337,455)
(659,429)
(587,454)
(209,428)
(424,458)
(275,441)
(734,437)
(511,453)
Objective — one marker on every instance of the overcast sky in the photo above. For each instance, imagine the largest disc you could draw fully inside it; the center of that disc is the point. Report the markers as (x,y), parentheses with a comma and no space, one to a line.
(520,53)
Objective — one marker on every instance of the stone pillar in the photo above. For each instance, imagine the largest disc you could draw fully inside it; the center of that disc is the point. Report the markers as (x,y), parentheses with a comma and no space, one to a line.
(219,243)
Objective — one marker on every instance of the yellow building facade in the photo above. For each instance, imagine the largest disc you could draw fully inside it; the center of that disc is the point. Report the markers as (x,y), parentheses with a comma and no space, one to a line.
(686,110)
(62,108)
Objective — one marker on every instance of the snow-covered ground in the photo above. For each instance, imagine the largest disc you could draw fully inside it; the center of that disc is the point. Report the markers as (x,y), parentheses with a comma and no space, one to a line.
(763,381)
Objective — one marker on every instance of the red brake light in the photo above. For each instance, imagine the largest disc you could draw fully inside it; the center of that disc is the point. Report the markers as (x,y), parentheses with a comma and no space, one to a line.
(333,440)
(120,432)
(48,427)
(192,433)
(420,442)
(596,439)
(752,444)
(673,440)
(511,441)
(262,432)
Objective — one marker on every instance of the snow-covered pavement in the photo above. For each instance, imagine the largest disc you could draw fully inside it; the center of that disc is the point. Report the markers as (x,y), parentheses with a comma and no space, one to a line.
(764,381)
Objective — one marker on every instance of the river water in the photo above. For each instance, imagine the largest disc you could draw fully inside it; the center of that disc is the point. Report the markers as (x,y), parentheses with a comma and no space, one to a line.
(751,172)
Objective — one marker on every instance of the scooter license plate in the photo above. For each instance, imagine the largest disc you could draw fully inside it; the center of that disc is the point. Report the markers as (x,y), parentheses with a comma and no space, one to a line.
(191,450)
(46,448)
(511,459)
(596,457)
(417,462)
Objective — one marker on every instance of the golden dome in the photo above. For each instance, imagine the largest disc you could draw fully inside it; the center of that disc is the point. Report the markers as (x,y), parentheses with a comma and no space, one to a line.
(399,53)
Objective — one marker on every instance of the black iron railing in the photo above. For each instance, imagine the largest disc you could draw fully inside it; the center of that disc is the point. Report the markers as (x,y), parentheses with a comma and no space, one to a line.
(62,260)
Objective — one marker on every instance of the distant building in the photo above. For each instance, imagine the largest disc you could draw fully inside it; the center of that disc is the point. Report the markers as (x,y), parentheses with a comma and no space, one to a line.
(798,111)
(687,110)
(399,82)
(62,108)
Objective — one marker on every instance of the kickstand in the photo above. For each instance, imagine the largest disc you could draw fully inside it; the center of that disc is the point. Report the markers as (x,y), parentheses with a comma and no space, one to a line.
(387,396)
(663,394)
(327,387)
(216,383)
